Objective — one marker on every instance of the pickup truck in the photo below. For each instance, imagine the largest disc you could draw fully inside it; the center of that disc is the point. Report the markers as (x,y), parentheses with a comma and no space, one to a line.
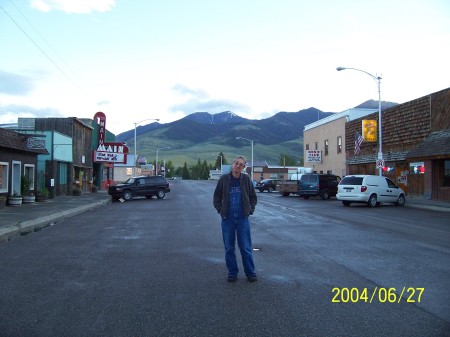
(287,187)
(323,185)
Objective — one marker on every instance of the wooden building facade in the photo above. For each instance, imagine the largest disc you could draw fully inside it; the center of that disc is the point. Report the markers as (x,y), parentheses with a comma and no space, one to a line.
(71,177)
(415,144)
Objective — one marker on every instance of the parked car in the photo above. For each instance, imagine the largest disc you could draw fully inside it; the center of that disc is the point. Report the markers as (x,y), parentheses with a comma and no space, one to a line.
(369,189)
(146,186)
(268,185)
(323,185)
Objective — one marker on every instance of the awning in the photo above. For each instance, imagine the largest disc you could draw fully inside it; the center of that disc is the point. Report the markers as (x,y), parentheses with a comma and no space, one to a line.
(435,146)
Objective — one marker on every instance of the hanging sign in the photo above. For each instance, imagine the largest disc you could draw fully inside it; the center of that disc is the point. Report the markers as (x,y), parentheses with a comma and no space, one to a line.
(369,130)
(108,152)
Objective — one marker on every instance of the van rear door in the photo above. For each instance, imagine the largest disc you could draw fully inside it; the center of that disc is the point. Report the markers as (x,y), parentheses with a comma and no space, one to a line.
(309,184)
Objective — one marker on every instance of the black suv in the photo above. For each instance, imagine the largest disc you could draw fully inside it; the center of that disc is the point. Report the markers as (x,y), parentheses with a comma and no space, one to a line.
(323,185)
(268,185)
(140,186)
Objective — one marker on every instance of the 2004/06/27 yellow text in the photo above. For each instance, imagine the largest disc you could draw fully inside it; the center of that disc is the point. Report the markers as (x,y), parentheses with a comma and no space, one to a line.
(382,295)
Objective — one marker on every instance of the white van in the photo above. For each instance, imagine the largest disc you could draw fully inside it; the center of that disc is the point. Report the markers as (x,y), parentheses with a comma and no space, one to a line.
(301,171)
(369,189)
(296,176)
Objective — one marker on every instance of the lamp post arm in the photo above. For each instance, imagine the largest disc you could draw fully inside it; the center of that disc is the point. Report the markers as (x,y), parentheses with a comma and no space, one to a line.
(377,79)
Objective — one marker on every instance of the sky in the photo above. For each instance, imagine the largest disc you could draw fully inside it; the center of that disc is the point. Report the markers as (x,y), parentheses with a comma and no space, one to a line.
(137,60)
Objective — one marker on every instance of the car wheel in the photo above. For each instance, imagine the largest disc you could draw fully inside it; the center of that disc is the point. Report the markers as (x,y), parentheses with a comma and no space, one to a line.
(325,196)
(372,201)
(270,190)
(401,200)
(346,203)
(161,194)
(306,196)
(127,195)
(285,194)
(261,190)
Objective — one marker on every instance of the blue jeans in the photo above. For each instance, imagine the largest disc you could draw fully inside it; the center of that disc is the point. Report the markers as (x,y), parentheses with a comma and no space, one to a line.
(239,227)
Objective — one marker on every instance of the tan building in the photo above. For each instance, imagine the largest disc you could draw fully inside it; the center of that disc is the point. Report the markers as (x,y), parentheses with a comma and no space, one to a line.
(415,144)
(324,142)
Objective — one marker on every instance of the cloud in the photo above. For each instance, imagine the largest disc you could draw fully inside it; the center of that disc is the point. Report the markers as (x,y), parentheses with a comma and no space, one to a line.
(73,6)
(10,113)
(183,90)
(200,101)
(13,84)
(105,102)
(212,106)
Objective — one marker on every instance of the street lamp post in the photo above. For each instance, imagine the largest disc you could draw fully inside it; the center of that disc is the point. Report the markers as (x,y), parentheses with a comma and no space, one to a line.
(251,141)
(378,80)
(157,150)
(135,143)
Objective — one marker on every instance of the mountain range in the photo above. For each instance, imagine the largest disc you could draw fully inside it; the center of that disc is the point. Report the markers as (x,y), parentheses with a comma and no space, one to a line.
(203,136)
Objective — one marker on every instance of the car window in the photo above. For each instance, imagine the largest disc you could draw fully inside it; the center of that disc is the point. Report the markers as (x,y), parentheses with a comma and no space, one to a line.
(304,178)
(161,180)
(351,181)
(390,183)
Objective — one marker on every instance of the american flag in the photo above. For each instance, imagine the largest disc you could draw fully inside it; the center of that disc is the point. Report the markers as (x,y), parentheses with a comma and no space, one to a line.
(358,141)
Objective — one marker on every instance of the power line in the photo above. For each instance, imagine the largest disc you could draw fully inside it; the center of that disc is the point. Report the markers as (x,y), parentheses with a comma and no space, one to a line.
(41,36)
(46,55)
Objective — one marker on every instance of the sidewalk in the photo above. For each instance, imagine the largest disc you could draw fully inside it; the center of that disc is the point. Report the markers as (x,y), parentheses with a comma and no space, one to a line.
(27,218)
(21,220)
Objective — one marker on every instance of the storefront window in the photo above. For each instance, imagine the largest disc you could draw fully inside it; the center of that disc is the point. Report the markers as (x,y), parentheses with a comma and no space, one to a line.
(417,168)
(447,173)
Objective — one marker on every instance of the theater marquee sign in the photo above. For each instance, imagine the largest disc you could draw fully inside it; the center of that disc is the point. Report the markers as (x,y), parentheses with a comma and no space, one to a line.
(108,152)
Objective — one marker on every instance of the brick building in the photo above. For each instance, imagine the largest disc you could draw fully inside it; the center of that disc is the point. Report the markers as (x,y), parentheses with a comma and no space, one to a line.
(416,146)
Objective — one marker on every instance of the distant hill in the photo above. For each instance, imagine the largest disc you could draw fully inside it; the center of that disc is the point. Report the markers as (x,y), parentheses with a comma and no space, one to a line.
(202,135)
(372,104)
(226,117)
(200,126)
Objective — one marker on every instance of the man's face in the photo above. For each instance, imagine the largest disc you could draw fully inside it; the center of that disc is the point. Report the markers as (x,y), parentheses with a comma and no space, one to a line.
(238,166)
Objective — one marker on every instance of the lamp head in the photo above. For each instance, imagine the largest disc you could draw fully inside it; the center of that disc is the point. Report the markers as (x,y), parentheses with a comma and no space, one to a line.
(340,68)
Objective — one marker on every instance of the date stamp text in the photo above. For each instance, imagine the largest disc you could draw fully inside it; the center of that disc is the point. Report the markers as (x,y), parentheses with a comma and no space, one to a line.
(378,294)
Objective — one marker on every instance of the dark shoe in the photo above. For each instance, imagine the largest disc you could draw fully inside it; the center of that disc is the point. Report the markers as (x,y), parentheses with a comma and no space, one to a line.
(252,278)
(231,279)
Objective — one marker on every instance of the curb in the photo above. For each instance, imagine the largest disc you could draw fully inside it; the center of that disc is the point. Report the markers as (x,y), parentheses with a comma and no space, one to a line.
(430,207)
(33,225)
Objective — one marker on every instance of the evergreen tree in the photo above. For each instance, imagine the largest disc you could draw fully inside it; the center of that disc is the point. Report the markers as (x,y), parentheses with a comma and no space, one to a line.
(170,169)
(185,174)
(220,159)
(179,172)
(204,171)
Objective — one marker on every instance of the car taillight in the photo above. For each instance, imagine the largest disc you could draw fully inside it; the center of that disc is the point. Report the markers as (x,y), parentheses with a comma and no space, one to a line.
(363,188)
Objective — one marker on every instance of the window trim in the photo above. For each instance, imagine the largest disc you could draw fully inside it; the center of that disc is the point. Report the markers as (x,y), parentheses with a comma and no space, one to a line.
(5,176)
(30,176)
(339,144)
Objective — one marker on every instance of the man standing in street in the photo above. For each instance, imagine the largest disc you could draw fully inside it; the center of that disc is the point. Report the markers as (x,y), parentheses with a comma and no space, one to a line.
(235,200)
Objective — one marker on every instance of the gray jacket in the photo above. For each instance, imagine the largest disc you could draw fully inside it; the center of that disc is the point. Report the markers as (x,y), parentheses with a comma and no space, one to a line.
(222,192)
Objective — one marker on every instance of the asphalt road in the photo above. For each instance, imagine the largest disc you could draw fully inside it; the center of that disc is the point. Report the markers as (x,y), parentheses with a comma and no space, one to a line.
(156,268)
